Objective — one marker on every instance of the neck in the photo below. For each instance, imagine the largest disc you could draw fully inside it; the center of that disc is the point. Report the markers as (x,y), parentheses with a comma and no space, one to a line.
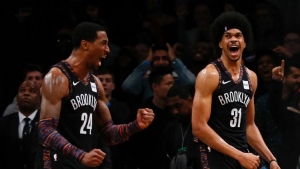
(26,112)
(159,102)
(78,63)
(231,66)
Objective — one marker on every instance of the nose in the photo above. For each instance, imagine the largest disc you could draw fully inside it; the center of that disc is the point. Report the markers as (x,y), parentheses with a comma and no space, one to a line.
(107,49)
(160,61)
(26,93)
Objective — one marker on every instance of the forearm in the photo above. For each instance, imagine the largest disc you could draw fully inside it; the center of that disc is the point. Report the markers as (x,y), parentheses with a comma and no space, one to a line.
(256,141)
(208,136)
(132,83)
(185,76)
(53,140)
(115,134)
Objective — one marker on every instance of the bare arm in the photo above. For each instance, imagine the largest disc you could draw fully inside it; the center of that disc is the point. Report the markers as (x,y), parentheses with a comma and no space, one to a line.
(206,82)
(114,134)
(55,87)
(253,135)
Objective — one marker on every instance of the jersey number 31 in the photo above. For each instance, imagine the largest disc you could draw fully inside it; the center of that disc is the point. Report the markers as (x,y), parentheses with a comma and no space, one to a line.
(236,117)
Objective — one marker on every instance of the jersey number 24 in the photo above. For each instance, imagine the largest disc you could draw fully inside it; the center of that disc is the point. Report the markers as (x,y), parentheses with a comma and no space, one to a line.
(87,119)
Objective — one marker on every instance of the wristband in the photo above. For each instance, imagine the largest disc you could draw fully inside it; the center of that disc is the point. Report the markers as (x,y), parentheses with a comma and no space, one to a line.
(272,161)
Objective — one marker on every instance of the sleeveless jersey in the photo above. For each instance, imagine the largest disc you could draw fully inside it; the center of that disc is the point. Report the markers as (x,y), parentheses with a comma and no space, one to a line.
(229,105)
(76,116)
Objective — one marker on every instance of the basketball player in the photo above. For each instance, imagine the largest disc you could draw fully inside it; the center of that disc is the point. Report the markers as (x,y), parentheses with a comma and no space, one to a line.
(74,106)
(223,107)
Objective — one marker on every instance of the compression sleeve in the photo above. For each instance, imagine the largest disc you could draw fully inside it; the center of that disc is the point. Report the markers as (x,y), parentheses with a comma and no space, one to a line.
(53,140)
(115,134)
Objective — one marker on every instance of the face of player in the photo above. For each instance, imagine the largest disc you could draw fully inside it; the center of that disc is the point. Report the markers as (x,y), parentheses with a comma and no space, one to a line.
(232,44)
(98,50)
(180,108)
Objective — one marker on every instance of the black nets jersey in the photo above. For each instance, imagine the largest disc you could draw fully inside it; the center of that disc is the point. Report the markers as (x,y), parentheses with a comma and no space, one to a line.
(75,121)
(76,117)
(229,106)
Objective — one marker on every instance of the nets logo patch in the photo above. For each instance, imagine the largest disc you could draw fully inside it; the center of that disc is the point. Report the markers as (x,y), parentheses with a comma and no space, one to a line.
(93,86)
(246,85)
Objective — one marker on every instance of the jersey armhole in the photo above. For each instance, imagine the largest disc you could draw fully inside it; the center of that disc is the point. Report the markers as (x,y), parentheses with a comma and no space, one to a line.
(95,80)
(220,77)
(249,79)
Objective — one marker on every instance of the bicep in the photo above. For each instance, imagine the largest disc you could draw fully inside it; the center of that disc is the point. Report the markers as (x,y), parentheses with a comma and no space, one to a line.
(206,84)
(53,90)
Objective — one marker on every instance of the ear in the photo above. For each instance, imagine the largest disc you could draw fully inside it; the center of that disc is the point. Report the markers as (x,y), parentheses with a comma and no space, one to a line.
(84,45)
(220,45)
(245,45)
(153,86)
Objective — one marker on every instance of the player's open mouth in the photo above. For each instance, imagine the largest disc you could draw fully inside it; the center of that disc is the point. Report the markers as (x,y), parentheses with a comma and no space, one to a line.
(233,50)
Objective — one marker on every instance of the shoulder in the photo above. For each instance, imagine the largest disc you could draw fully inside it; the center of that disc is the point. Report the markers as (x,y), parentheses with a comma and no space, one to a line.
(208,75)
(55,83)
(6,120)
(55,73)
(210,70)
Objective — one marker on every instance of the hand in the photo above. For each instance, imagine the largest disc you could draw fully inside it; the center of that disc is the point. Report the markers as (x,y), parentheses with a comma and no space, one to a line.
(150,55)
(171,51)
(278,72)
(249,160)
(144,117)
(274,165)
(93,158)
(282,50)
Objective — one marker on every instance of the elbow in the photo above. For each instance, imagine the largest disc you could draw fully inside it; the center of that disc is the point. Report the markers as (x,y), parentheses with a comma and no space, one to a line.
(199,131)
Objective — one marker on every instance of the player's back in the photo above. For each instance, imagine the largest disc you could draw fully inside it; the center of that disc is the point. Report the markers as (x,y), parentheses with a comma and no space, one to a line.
(229,104)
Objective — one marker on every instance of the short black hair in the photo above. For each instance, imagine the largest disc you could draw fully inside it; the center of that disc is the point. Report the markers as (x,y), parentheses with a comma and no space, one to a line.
(179,90)
(293,61)
(85,31)
(158,73)
(230,20)
(30,67)
(105,70)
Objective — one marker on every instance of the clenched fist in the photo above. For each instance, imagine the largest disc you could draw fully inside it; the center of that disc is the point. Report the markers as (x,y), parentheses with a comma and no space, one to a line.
(93,158)
(144,117)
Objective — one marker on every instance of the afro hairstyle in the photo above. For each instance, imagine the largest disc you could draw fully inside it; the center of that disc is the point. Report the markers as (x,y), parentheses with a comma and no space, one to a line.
(230,20)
